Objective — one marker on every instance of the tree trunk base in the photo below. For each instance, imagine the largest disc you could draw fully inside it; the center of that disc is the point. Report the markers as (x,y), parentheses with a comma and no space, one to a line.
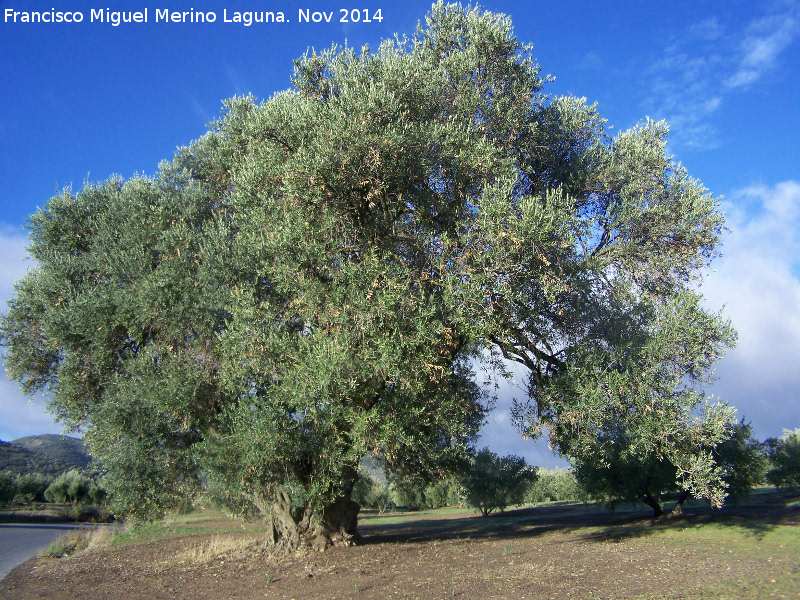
(291,530)
(658,512)
(338,526)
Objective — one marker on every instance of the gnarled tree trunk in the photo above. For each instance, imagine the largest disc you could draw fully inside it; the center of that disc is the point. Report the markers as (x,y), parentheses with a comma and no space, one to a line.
(337,525)
(290,529)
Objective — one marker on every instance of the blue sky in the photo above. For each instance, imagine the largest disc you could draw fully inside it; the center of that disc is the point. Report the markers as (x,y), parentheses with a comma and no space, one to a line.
(87,100)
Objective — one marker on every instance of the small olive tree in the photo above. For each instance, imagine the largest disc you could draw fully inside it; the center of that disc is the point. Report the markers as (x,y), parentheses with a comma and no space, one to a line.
(742,460)
(623,472)
(76,488)
(493,483)
(30,487)
(784,458)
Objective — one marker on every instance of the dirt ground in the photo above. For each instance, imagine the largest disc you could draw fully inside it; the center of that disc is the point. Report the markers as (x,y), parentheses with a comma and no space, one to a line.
(536,553)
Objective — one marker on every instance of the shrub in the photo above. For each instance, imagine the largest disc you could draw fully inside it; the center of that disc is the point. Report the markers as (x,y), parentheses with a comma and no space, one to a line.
(84,513)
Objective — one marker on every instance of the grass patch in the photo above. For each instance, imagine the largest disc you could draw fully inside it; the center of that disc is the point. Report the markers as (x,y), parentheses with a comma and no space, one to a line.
(77,541)
(772,556)
(197,523)
(404,517)
(66,545)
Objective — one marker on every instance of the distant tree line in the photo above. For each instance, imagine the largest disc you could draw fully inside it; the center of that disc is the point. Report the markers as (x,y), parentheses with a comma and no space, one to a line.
(70,487)
(492,483)
(489,482)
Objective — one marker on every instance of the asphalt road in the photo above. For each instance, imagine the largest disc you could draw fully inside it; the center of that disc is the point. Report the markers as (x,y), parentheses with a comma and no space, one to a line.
(18,542)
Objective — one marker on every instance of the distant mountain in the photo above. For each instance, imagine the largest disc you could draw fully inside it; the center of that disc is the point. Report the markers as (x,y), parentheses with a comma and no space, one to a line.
(48,454)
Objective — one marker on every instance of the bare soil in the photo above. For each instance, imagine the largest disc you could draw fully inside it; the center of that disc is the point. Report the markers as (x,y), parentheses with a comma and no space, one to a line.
(566,551)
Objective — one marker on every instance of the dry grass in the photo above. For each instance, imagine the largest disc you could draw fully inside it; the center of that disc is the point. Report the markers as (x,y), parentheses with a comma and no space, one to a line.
(67,545)
(79,540)
(221,547)
(100,536)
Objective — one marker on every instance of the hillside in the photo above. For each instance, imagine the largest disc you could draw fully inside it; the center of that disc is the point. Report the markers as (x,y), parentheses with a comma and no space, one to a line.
(48,454)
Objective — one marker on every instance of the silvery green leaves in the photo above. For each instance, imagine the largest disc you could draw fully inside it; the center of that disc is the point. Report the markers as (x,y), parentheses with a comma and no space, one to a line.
(311,281)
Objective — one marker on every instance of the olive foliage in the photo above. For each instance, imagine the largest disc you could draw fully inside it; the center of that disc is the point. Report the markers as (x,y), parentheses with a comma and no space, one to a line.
(314,279)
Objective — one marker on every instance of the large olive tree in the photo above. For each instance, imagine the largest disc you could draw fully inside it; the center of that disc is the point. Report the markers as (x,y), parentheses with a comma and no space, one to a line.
(314,279)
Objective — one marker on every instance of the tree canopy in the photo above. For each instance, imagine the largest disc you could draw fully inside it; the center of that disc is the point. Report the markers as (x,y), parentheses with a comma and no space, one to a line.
(316,277)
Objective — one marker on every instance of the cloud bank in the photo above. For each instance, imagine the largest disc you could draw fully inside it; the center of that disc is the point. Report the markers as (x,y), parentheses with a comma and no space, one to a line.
(758,279)
(19,416)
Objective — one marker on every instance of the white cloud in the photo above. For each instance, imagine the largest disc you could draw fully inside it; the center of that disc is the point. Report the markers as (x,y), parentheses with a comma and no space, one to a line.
(19,416)
(502,438)
(13,242)
(590,61)
(235,81)
(705,63)
(199,111)
(709,29)
(680,92)
(757,280)
(499,433)
(764,41)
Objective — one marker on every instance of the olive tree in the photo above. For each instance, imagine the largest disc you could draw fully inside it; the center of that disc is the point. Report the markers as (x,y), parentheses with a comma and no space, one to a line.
(623,473)
(493,482)
(74,487)
(784,460)
(743,461)
(315,278)
(630,418)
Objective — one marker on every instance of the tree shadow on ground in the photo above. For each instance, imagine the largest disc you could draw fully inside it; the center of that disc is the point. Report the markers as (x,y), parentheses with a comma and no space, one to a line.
(524,522)
(757,517)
